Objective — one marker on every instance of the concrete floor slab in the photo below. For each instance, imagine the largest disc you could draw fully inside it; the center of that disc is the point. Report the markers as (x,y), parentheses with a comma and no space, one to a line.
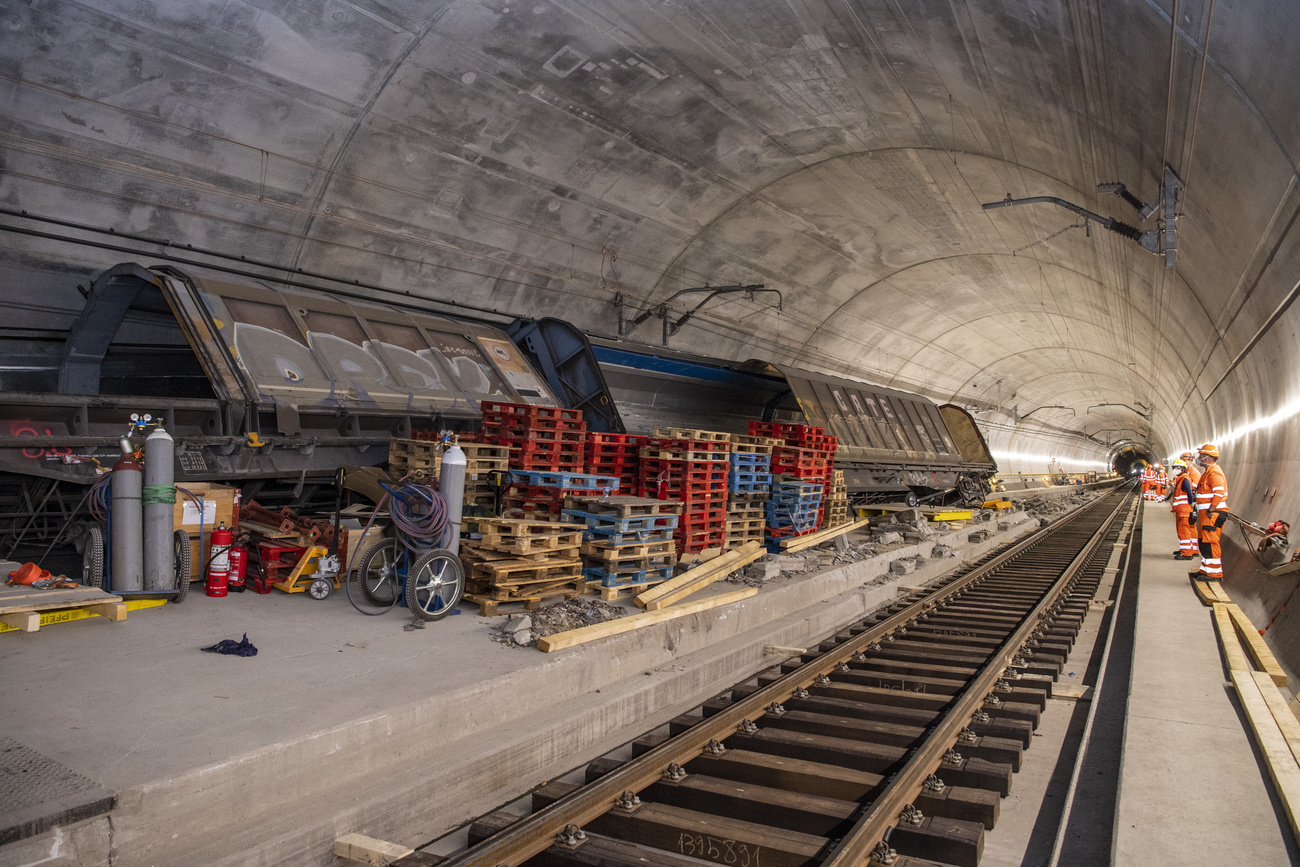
(1192,790)
(348,723)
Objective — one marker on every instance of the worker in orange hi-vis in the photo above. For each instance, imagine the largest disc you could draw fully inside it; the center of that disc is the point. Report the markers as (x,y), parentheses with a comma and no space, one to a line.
(1148,482)
(1192,472)
(1212,513)
(1162,483)
(1182,498)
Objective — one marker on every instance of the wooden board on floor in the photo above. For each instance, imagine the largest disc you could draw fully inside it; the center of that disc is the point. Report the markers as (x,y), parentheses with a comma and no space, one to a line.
(1232,651)
(368,850)
(1273,746)
(750,552)
(690,576)
(1277,705)
(574,637)
(798,543)
(31,621)
(1209,592)
(1256,647)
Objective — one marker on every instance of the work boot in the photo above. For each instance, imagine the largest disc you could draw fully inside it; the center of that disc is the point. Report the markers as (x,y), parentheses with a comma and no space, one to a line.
(1182,556)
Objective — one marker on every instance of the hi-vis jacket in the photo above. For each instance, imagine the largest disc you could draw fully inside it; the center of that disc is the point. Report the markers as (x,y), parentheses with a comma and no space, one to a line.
(1211,493)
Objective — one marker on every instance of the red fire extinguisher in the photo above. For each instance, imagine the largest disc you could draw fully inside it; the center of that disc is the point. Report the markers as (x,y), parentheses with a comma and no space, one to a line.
(238,564)
(219,564)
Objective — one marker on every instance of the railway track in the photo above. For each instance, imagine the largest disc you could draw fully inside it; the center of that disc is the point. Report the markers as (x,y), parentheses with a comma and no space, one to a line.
(891,744)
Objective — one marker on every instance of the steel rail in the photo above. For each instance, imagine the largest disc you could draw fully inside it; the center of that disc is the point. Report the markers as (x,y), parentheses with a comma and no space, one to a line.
(857,846)
(536,833)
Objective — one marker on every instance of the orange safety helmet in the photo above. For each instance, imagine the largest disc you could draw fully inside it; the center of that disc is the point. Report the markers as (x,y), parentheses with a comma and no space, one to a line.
(1209,449)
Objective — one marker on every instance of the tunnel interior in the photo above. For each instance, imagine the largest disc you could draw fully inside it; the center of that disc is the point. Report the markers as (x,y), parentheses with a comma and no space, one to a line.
(593,161)
(1128,461)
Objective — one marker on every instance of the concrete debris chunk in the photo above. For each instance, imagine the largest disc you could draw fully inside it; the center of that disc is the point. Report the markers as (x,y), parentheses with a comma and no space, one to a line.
(524,630)
(938,552)
(903,566)
(1003,526)
(888,538)
(978,536)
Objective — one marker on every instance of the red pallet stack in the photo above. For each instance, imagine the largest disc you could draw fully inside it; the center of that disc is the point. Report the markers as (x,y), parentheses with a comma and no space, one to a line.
(615,455)
(808,455)
(691,466)
(541,438)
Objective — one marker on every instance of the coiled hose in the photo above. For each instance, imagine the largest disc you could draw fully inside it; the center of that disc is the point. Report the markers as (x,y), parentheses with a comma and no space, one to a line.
(421,517)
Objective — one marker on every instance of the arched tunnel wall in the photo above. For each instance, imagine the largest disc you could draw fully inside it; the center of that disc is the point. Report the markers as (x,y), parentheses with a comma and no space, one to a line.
(550,158)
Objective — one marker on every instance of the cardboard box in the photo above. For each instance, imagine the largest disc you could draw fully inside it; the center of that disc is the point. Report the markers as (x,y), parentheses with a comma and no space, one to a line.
(220,506)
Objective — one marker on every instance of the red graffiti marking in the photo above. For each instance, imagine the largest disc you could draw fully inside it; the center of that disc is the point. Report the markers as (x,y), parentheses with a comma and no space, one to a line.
(20,429)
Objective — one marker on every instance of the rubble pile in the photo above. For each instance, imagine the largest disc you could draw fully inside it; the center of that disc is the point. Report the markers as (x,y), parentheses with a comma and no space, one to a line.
(1038,506)
(524,630)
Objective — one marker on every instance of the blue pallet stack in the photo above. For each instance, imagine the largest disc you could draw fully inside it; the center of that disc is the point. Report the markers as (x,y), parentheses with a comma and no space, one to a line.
(791,510)
(750,474)
(628,543)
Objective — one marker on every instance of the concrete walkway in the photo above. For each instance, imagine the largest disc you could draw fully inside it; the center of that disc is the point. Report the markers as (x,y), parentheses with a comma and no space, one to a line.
(347,723)
(1192,790)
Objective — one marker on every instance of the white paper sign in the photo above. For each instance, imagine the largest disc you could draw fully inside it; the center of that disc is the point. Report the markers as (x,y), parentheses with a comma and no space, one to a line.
(190,512)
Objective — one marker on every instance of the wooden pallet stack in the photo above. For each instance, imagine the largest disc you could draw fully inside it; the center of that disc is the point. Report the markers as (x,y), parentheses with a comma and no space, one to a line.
(807,454)
(542,438)
(541,495)
(749,485)
(524,561)
(618,455)
(691,466)
(628,543)
(418,459)
(422,460)
(837,507)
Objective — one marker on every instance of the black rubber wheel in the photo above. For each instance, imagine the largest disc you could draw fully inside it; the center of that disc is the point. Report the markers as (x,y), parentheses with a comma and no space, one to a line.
(184,569)
(434,584)
(377,573)
(910,499)
(320,588)
(92,558)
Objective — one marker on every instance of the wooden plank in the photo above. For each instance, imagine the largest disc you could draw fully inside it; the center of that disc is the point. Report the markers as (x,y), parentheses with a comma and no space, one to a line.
(798,543)
(1282,767)
(29,599)
(1277,705)
(1228,639)
(23,621)
(68,615)
(368,850)
(1204,593)
(700,571)
(113,611)
(664,600)
(1256,647)
(582,635)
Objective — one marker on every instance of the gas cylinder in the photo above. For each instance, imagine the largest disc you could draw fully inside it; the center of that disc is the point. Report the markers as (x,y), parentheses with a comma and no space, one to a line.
(238,562)
(126,536)
(219,565)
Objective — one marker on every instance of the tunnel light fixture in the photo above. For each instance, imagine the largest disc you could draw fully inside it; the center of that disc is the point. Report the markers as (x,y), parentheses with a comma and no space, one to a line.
(1287,412)
(1035,458)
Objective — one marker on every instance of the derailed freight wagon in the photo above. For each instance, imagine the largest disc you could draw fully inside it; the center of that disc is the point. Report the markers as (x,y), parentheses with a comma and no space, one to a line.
(274,387)
(893,445)
(253,382)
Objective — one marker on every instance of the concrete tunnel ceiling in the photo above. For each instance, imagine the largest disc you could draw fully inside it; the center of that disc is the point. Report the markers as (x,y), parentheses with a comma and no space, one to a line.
(539,158)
